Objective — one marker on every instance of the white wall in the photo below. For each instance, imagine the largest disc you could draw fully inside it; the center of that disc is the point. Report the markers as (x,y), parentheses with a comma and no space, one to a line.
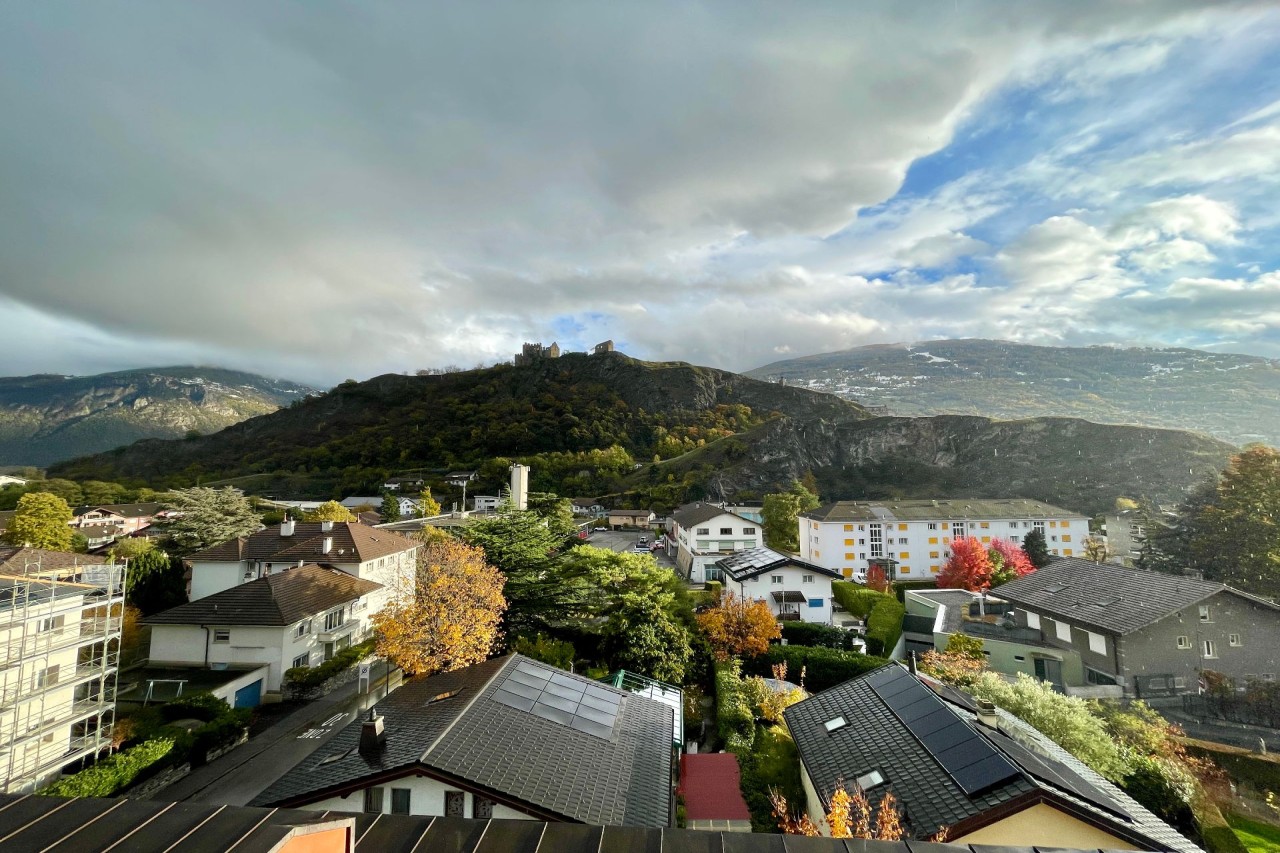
(426,798)
(208,578)
(697,550)
(793,578)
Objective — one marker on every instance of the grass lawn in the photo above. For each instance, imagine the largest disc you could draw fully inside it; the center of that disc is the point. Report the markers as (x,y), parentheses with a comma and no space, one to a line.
(1257,837)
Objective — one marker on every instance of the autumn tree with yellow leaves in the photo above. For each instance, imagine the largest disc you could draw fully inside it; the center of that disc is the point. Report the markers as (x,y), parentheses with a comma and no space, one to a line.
(849,816)
(451,619)
(739,627)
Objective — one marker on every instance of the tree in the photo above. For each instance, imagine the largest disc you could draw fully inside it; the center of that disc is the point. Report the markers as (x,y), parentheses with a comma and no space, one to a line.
(1237,540)
(451,619)
(206,516)
(876,578)
(41,520)
(780,512)
(65,489)
(968,567)
(390,509)
(1037,548)
(128,549)
(154,581)
(556,511)
(1124,504)
(739,627)
(558,653)
(1096,550)
(428,506)
(643,637)
(1013,562)
(98,492)
(521,547)
(330,511)
(849,816)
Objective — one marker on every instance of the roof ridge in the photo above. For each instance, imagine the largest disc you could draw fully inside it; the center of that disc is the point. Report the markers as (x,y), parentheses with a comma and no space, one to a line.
(462,712)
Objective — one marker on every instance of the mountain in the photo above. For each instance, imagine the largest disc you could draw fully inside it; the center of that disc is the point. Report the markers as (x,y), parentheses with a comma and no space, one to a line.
(47,418)
(1233,397)
(718,433)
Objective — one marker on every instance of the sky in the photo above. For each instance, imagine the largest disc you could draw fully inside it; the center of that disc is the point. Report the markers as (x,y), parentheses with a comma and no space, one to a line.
(323,190)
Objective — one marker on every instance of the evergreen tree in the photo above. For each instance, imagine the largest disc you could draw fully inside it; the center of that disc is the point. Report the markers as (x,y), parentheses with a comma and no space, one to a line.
(207,517)
(1037,549)
(154,582)
(1236,537)
(390,509)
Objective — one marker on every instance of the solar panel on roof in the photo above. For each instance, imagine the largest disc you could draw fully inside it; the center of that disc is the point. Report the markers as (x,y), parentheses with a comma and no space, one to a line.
(560,699)
(1058,775)
(971,762)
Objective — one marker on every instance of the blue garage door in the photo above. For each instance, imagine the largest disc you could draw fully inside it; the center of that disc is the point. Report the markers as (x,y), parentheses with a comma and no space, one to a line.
(250,695)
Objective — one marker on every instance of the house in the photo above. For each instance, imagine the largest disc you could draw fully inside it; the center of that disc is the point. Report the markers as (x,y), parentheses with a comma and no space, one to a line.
(404,484)
(130,518)
(100,535)
(981,773)
(1150,634)
(506,738)
(369,553)
(60,627)
(620,518)
(934,615)
(699,534)
(485,503)
(909,539)
(99,825)
(407,507)
(795,591)
(587,506)
(7,480)
(300,617)
(457,478)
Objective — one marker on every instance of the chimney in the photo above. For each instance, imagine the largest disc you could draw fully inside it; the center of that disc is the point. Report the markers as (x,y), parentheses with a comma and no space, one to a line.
(987,714)
(372,735)
(326,526)
(520,486)
(286,527)
(327,545)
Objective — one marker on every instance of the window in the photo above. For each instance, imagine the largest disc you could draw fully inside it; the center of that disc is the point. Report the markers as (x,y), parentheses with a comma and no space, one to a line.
(455,804)
(902,541)
(848,528)
(848,542)
(835,724)
(746,531)
(1184,642)
(775,579)
(877,541)
(704,531)
(48,676)
(726,531)
(1053,524)
(933,555)
(933,540)
(933,525)
(222,635)
(809,579)
(817,602)
(1204,613)
(1019,658)
(862,541)
(304,628)
(902,527)
(483,808)
(1066,537)
(1234,640)
(1210,650)
(1038,525)
(334,618)
(904,555)
(1063,630)
(52,623)
(1066,552)
(400,800)
(302,660)
(1014,525)
(1033,620)
(957,529)
(985,525)
(904,570)
(373,800)
(1092,676)
(867,781)
(849,556)
(1097,643)
(711,573)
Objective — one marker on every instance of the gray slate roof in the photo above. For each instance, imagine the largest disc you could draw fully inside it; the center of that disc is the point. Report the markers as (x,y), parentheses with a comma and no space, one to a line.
(351,543)
(876,739)
(742,565)
(623,779)
(959,509)
(276,600)
(691,515)
(1106,596)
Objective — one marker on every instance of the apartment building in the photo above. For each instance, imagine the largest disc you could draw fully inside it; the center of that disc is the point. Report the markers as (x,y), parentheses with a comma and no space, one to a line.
(60,626)
(911,539)
(700,534)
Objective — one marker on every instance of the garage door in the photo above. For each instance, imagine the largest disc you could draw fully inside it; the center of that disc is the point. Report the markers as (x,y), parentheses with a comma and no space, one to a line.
(249,696)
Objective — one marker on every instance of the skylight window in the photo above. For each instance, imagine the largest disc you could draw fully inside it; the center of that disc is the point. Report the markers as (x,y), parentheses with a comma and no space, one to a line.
(1055,588)
(337,756)
(835,724)
(440,697)
(867,781)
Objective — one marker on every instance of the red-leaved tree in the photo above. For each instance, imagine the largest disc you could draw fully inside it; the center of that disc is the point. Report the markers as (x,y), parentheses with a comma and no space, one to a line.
(968,567)
(1014,562)
(876,578)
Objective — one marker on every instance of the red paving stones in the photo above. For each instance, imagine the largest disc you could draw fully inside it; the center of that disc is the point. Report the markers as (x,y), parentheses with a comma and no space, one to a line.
(709,783)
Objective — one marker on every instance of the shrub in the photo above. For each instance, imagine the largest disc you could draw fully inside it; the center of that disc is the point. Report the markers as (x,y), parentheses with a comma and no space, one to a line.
(715,589)
(772,763)
(884,626)
(823,668)
(734,721)
(900,588)
(216,734)
(814,634)
(307,677)
(198,706)
(857,599)
(114,774)
(549,650)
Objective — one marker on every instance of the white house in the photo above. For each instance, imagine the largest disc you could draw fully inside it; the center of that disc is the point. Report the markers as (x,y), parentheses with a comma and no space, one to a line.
(7,480)
(796,591)
(301,617)
(369,553)
(485,503)
(912,537)
(700,534)
(406,506)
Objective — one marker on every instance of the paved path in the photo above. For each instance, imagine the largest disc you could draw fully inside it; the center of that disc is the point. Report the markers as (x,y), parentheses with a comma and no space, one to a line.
(246,771)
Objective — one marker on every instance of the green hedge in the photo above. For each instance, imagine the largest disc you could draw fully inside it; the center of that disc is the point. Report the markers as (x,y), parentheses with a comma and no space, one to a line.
(306,677)
(823,668)
(114,774)
(814,634)
(855,598)
(900,587)
(884,626)
(735,721)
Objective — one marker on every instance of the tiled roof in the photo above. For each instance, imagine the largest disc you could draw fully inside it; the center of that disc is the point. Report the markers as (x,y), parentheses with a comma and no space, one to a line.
(711,789)
(93,825)
(937,510)
(143,510)
(352,543)
(515,754)
(1107,596)
(877,739)
(693,514)
(632,513)
(276,600)
(15,560)
(751,562)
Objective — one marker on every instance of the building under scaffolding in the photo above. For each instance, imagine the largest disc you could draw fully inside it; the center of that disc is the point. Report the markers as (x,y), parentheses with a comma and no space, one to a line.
(60,630)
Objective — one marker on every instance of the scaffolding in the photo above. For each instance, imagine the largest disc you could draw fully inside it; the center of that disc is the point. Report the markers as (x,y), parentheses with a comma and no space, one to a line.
(60,633)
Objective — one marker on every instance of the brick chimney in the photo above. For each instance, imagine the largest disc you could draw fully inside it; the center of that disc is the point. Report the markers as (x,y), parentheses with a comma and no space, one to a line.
(373,736)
